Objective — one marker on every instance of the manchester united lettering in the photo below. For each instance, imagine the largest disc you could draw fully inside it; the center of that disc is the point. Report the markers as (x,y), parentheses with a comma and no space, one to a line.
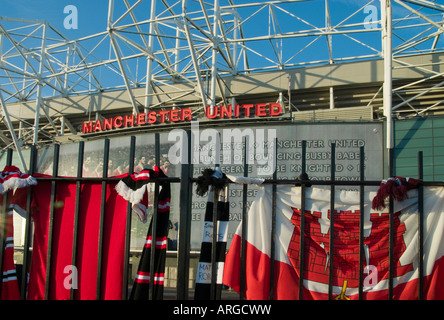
(244,111)
(140,119)
(181,115)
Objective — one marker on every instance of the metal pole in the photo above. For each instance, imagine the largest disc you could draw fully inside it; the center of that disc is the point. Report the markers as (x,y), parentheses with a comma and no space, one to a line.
(80,156)
(183,254)
(153,224)
(273,227)
(115,47)
(216,193)
(386,21)
(102,219)
(214,262)
(110,13)
(193,55)
(28,227)
(55,169)
(420,228)
(39,100)
(302,225)
(290,109)
(244,224)
(149,67)
(128,224)
(427,4)
(361,222)
(214,52)
(332,222)
(4,226)
(391,248)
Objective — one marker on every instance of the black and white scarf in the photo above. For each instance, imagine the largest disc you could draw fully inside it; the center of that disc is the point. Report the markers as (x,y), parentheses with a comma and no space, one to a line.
(215,181)
(136,189)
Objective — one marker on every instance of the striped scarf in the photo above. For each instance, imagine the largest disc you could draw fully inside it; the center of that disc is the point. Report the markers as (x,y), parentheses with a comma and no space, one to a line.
(11,179)
(204,270)
(10,289)
(136,189)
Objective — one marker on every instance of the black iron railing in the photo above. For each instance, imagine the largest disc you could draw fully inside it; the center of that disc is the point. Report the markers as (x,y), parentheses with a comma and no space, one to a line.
(186,182)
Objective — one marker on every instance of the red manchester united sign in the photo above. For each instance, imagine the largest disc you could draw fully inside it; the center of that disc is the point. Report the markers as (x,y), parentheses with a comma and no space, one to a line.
(182,115)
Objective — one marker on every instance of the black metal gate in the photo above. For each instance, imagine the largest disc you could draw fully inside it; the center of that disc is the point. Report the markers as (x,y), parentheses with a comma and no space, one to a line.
(186,182)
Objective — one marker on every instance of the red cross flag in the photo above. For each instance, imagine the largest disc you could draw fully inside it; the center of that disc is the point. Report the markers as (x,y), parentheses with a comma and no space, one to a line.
(345,256)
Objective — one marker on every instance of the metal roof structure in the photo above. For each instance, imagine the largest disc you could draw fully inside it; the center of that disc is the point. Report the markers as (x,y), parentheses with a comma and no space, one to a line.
(373,59)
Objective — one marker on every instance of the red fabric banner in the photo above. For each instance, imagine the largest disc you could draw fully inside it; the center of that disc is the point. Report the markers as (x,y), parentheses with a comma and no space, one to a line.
(62,273)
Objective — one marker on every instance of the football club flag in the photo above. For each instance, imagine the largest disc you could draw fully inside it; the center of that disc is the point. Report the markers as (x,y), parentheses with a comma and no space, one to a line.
(346,249)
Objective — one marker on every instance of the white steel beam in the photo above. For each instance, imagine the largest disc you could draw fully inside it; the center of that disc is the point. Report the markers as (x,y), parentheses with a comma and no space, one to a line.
(39,100)
(215,50)
(193,51)
(427,4)
(386,21)
(17,143)
(149,67)
(123,72)
(419,14)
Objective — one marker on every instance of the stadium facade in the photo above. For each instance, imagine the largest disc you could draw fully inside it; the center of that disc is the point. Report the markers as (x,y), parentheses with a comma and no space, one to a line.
(368,75)
(193,56)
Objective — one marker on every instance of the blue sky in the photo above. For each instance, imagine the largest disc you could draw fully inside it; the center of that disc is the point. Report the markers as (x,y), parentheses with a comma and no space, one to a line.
(92,19)
(92,15)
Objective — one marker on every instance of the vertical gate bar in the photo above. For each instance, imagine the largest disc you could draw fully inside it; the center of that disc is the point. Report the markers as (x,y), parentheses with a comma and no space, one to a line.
(128,224)
(244,223)
(80,156)
(102,219)
(420,227)
(213,295)
(3,236)
(391,245)
(183,255)
(55,170)
(361,222)
(302,225)
(216,193)
(332,220)
(154,220)
(273,225)
(391,232)
(3,225)
(28,227)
